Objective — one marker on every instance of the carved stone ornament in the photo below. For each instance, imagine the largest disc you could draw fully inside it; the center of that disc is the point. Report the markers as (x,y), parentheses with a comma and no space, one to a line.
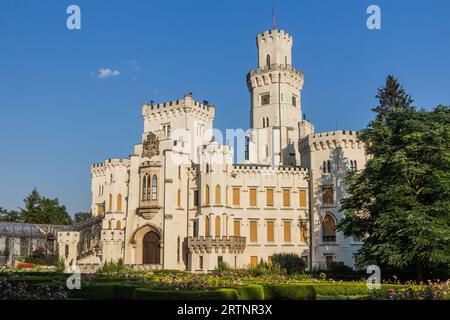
(150,146)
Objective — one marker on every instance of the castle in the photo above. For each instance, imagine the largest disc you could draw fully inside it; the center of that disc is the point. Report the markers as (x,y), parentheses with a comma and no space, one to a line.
(180,202)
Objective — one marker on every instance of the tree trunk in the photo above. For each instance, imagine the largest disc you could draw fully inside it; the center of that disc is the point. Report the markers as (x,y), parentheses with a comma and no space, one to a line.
(419,271)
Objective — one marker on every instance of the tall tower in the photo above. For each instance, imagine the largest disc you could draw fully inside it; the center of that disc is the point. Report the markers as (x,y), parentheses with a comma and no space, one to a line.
(275,99)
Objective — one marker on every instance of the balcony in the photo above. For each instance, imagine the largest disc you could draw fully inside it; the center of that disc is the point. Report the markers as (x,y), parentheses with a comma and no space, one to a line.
(207,244)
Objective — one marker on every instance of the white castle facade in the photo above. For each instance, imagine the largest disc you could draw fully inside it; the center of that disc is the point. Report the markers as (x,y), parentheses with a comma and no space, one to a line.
(180,202)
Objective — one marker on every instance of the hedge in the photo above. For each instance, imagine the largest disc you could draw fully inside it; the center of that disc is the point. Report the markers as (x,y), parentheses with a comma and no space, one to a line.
(289,292)
(250,292)
(154,294)
(351,289)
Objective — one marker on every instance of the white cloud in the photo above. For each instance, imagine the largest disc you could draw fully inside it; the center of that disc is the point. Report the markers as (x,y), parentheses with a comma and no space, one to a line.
(104,73)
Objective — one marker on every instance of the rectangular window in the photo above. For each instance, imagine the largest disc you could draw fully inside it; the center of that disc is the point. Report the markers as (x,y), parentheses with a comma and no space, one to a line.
(303,231)
(195,198)
(327,195)
(200,262)
(219,260)
(302,198)
(286,197)
(329,261)
(269,197)
(294,100)
(253,231)
(287,231)
(237,227)
(265,98)
(252,195)
(253,261)
(236,197)
(24,250)
(270,231)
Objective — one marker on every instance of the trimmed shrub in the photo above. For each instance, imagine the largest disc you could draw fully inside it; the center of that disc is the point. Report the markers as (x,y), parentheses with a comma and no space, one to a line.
(154,294)
(292,263)
(289,292)
(251,292)
(124,291)
(93,292)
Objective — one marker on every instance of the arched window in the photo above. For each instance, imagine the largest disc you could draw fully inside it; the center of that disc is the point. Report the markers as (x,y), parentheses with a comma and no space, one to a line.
(217,233)
(110,203)
(118,225)
(267,122)
(264,122)
(119,203)
(109,225)
(329,229)
(217,194)
(207,168)
(206,226)
(329,166)
(148,187)
(207,194)
(154,188)
(268,60)
(144,188)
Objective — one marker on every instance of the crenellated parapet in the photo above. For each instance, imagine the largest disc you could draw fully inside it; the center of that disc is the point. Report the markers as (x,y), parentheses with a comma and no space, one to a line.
(330,140)
(99,169)
(252,169)
(270,35)
(170,109)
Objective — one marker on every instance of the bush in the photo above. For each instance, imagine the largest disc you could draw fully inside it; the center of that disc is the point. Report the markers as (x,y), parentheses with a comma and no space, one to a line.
(251,292)
(292,263)
(112,267)
(155,294)
(289,292)
(40,257)
(93,292)
(222,267)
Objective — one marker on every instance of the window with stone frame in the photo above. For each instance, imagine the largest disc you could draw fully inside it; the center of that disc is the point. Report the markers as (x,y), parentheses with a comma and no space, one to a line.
(253,197)
(269,197)
(270,231)
(327,196)
(265,99)
(253,230)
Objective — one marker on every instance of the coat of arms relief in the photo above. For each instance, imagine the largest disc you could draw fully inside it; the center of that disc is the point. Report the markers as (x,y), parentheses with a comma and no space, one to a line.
(150,145)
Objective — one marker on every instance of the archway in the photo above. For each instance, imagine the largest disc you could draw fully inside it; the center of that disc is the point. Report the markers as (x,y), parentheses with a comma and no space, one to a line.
(151,248)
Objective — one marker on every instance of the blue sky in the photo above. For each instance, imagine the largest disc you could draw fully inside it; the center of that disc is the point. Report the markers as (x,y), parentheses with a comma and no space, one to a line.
(58,116)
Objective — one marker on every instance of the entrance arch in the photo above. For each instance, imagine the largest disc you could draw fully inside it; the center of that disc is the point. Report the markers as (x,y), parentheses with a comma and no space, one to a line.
(151,248)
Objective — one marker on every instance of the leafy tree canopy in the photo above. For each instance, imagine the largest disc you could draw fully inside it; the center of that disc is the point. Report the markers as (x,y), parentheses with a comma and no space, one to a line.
(38,209)
(81,216)
(400,201)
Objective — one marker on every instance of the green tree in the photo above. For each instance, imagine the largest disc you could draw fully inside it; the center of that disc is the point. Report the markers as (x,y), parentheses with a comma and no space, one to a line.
(10,216)
(81,216)
(400,202)
(43,210)
(392,97)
